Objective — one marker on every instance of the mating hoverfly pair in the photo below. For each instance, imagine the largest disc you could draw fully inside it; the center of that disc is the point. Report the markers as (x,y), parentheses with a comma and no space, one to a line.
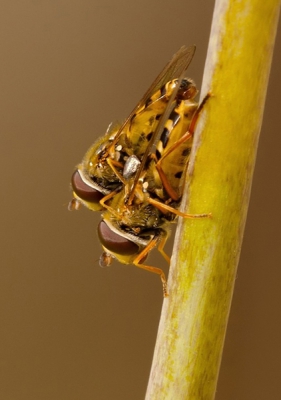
(135,173)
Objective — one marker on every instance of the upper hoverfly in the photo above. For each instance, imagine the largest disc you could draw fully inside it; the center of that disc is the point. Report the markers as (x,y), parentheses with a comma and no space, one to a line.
(135,172)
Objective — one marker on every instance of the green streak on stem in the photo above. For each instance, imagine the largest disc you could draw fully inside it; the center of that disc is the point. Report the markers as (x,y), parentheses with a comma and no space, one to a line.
(194,318)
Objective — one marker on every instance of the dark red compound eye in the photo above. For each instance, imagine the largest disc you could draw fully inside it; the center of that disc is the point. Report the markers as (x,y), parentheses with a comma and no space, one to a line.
(114,242)
(84,191)
(187,90)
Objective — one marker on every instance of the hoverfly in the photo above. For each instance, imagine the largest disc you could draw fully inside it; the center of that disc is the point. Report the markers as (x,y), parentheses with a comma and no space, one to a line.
(101,170)
(135,173)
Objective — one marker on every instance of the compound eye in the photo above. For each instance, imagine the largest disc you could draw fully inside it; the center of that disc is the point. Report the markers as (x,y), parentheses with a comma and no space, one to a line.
(187,90)
(114,242)
(84,191)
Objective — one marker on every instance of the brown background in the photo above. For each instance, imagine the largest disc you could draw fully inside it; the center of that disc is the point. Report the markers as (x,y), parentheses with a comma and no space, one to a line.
(69,329)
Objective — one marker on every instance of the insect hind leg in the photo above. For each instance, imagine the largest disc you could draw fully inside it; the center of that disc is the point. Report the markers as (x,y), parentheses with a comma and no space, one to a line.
(188,135)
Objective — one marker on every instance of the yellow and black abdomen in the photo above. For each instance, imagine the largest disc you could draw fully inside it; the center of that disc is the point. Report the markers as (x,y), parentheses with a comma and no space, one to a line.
(144,122)
(170,151)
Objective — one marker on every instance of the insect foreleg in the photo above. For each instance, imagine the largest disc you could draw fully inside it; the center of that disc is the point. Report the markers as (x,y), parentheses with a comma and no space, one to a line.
(110,209)
(113,164)
(197,113)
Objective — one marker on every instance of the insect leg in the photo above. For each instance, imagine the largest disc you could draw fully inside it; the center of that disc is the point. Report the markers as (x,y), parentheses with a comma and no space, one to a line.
(138,263)
(171,192)
(161,248)
(165,208)
(188,135)
(113,164)
(110,209)
(197,113)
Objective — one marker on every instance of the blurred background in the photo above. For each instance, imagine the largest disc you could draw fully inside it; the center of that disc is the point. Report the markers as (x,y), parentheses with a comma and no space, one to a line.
(70,329)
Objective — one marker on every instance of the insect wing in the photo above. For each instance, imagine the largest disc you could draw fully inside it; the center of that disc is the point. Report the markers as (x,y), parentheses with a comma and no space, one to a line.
(174,69)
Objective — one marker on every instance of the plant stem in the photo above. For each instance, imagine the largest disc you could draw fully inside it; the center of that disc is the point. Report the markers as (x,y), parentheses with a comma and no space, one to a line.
(194,317)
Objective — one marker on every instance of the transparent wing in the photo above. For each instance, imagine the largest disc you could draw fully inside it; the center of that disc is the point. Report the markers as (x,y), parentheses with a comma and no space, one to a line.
(174,69)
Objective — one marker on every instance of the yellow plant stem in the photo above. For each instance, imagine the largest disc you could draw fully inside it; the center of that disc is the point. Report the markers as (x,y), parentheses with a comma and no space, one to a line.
(194,317)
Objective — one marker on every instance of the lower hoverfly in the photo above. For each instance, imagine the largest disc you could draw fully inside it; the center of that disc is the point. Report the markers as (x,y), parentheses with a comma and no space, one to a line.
(135,173)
